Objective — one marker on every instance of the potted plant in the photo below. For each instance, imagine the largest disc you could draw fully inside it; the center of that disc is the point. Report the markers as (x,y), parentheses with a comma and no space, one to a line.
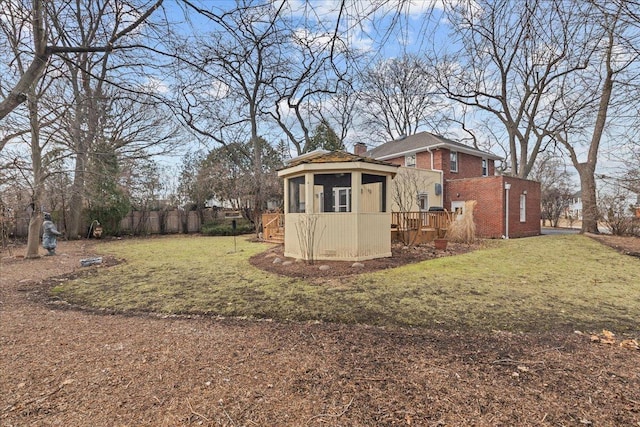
(440,243)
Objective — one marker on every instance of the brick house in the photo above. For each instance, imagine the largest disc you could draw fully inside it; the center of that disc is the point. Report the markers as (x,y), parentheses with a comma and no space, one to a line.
(468,174)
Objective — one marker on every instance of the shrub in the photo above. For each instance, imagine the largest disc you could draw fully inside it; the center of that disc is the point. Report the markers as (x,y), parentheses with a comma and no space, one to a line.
(225,228)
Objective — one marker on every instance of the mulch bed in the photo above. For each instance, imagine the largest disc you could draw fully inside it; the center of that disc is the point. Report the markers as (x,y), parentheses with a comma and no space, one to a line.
(274,261)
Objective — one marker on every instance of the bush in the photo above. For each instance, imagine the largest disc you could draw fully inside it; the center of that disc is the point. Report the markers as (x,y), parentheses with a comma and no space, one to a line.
(225,228)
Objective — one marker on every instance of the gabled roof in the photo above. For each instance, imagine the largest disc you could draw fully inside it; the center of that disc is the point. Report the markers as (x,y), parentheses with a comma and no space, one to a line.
(423,141)
(321,156)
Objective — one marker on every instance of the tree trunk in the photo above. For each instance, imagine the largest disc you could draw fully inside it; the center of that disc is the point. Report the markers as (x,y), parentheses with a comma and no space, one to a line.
(33,241)
(77,200)
(33,238)
(589,199)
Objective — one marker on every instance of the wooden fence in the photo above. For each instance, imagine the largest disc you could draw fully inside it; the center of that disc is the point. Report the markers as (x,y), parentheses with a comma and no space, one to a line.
(134,223)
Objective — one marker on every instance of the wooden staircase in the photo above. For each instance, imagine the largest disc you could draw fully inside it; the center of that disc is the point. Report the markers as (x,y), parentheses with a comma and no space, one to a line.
(273,228)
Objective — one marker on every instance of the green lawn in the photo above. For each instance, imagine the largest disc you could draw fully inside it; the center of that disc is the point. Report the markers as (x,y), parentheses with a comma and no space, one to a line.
(534,284)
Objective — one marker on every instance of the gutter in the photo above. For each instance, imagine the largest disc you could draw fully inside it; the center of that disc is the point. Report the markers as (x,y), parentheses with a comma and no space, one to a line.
(471,151)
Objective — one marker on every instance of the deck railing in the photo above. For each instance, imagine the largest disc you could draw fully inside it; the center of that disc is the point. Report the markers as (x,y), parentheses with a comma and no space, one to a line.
(421,220)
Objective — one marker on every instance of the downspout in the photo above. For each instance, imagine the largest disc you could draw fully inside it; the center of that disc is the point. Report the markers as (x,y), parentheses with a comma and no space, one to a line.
(431,152)
(441,176)
(507,187)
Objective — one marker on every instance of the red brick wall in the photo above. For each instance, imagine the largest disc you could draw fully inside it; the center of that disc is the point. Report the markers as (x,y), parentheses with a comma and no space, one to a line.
(531,226)
(468,166)
(396,161)
(423,160)
(489,214)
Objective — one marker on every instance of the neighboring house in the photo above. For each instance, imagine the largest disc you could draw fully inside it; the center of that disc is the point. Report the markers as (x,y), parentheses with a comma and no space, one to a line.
(574,211)
(466,174)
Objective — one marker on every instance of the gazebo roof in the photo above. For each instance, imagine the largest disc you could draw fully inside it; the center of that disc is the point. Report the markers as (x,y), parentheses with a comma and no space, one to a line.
(320,161)
(321,156)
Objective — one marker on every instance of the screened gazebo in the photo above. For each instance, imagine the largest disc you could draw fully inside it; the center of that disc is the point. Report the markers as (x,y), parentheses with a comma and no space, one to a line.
(337,207)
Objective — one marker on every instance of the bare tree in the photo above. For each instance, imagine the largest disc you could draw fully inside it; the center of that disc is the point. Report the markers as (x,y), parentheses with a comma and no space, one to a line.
(612,72)
(229,82)
(40,114)
(556,190)
(39,17)
(315,69)
(511,64)
(546,72)
(103,109)
(399,97)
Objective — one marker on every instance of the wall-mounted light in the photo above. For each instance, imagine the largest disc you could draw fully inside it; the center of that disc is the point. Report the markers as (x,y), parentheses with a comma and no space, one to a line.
(457,194)
(524,192)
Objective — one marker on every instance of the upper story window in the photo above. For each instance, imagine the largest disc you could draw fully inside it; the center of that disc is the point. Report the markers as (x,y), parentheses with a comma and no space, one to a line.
(485,167)
(410,161)
(453,161)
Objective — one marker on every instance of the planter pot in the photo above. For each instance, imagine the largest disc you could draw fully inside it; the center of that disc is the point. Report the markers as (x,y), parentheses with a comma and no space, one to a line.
(440,244)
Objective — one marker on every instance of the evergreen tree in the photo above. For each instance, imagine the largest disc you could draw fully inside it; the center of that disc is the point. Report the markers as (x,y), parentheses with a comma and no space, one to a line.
(325,138)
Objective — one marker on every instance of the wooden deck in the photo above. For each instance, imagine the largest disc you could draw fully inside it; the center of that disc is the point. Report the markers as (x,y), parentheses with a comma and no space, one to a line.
(414,228)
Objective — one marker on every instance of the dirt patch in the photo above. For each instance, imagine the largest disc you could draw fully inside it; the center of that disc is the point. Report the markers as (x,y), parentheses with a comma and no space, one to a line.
(73,368)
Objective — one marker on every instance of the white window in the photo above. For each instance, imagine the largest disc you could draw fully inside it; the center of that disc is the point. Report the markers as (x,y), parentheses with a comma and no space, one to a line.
(423,202)
(342,199)
(485,167)
(457,208)
(523,208)
(453,161)
(410,161)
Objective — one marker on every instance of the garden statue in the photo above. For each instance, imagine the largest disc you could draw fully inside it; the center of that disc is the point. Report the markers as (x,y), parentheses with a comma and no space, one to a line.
(49,235)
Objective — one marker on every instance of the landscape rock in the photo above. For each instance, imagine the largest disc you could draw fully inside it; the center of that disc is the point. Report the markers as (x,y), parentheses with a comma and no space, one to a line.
(90,261)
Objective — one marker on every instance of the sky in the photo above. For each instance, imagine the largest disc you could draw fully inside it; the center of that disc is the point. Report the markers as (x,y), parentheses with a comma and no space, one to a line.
(372,35)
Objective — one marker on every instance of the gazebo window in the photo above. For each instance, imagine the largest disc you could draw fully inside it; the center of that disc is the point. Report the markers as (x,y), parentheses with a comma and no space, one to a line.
(296,195)
(374,193)
(332,192)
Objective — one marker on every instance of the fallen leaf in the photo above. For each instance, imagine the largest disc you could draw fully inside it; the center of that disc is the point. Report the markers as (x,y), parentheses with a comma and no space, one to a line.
(632,344)
(608,334)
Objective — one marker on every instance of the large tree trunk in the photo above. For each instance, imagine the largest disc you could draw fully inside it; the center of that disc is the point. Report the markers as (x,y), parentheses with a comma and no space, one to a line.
(589,199)
(33,239)
(77,196)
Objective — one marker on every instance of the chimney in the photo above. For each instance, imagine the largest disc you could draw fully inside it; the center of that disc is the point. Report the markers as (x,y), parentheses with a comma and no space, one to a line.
(359,148)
